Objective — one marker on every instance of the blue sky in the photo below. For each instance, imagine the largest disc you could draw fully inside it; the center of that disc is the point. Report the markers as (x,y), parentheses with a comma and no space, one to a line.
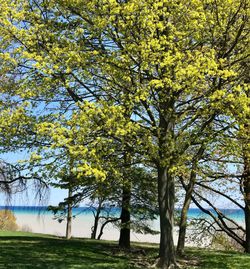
(28,198)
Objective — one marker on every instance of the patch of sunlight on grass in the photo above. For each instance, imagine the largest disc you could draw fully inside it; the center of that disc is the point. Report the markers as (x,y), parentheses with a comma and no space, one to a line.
(35,251)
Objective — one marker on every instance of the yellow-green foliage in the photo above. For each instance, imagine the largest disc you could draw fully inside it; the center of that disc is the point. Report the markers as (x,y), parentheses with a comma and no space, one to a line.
(7,221)
(104,77)
(142,63)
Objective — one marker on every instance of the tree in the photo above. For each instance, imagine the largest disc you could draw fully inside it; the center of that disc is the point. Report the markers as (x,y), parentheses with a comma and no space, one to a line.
(224,174)
(7,221)
(154,61)
(227,50)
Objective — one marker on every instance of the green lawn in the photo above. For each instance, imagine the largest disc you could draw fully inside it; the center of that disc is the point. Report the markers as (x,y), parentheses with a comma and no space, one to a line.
(218,259)
(27,250)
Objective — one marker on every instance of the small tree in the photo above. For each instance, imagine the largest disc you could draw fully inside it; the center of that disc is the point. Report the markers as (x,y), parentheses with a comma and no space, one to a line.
(7,221)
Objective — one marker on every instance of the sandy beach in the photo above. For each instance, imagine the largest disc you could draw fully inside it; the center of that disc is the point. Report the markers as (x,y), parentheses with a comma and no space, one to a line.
(31,220)
(81,227)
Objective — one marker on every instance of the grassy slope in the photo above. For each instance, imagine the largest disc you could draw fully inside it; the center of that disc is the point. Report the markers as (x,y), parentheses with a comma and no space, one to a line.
(27,250)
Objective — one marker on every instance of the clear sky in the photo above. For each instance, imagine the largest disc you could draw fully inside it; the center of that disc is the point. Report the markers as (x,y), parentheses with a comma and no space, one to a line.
(28,198)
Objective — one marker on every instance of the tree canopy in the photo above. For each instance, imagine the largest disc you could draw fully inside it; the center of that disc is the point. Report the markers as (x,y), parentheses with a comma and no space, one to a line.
(100,79)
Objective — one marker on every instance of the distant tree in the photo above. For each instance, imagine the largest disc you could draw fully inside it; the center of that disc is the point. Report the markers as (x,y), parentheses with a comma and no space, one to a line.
(7,221)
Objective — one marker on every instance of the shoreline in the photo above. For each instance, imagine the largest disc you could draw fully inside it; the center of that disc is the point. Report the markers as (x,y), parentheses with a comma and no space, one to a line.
(29,219)
(81,227)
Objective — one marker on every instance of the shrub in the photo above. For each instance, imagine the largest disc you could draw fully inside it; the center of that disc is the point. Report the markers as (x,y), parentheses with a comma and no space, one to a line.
(7,221)
(224,242)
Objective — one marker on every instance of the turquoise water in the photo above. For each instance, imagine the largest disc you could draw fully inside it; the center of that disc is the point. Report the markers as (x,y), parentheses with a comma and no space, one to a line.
(44,210)
(235,214)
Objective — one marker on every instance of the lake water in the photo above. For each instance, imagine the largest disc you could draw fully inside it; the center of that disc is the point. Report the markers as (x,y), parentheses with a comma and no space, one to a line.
(38,219)
(43,210)
(235,214)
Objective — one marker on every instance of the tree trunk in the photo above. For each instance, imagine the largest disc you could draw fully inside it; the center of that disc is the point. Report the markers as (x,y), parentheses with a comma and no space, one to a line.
(246,178)
(183,224)
(104,224)
(188,198)
(183,221)
(166,199)
(246,184)
(69,216)
(247,221)
(124,240)
(97,216)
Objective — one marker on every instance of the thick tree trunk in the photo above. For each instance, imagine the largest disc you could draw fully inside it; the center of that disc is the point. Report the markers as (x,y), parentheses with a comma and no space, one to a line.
(124,240)
(69,217)
(166,199)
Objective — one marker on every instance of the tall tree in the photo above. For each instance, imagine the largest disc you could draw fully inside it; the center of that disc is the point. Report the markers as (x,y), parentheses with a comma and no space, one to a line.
(155,61)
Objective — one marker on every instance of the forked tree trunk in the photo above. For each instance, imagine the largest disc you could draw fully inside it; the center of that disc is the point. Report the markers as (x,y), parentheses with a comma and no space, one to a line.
(166,199)
(124,240)
(69,217)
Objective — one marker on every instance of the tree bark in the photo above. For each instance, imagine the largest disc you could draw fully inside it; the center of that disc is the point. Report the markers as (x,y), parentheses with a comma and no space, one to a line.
(188,198)
(69,216)
(97,217)
(166,199)
(184,211)
(247,221)
(124,240)
(246,185)
(183,222)
(104,224)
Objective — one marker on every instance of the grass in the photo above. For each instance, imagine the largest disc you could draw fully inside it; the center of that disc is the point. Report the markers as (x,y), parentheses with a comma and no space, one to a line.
(212,259)
(28,250)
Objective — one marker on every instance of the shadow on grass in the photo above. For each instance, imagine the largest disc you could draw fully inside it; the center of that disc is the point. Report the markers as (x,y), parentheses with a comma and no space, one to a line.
(35,251)
(210,259)
(38,252)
